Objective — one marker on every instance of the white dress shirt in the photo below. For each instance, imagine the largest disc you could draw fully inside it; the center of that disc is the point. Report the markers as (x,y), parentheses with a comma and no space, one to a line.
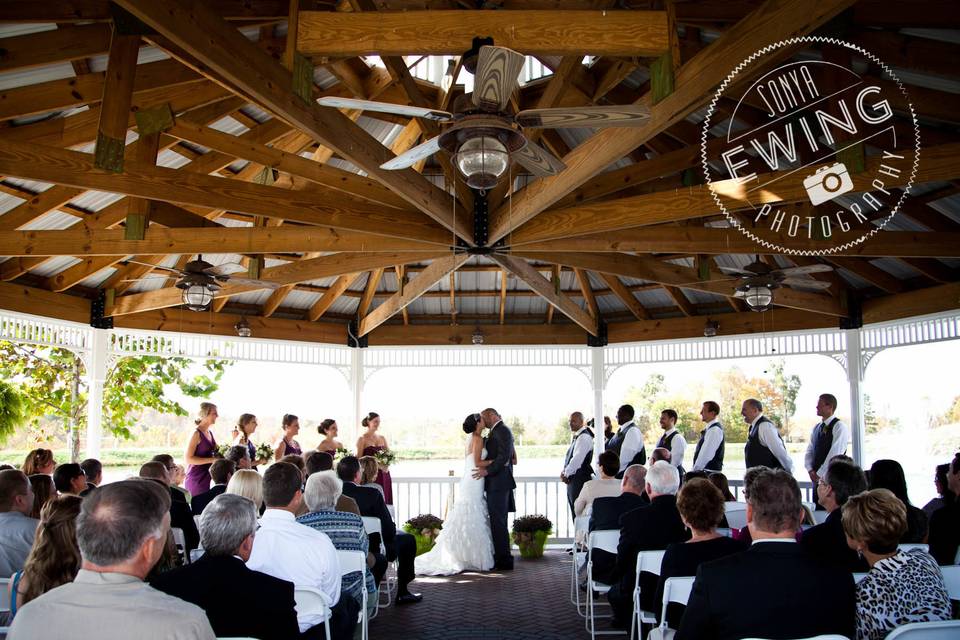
(286,549)
(678,446)
(771,440)
(841,438)
(581,447)
(711,442)
(632,443)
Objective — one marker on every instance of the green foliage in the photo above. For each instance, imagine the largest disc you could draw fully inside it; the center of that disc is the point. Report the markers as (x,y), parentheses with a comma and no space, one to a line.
(643,401)
(424,528)
(13,411)
(788,387)
(531,523)
(530,534)
(424,521)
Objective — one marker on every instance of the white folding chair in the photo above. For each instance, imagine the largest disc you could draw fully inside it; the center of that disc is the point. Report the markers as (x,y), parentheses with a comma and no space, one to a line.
(725,532)
(351,562)
(181,543)
(647,562)
(581,525)
(820,516)
(310,602)
(392,511)
(606,540)
(941,630)
(910,547)
(951,578)
(372,525)
(5,594)
(857,577)
(736,513)
(674,590)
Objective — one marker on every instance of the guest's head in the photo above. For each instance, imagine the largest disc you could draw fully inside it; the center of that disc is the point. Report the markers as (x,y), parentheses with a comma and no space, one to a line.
(69,478)
(576,421)
(166,460)
(283,487)
(625,414)
(93,470)
(942,484)
(4,467)
(348,469)
(842,481)
(607,427)
(609,463)
(774,508)
(328,428)
(368,469)
(874,521)
(16,492)
(207,415)
(749,476)
(472,422)
(39,461)
(221,471)
(842,457)
(43,491)
(371,421)
(693,475)
(888,474)
(751,409)
(826,405)
(227,526)
(290,425)
(668,419)
(709,411)
(660,453)
(123,526)
(317,461)
(700,505)
(239,455)
(55,557)
(246,483)
(295,460)
(953,475)
(323,490)
(663,479)
(634,479)
(720,481)
(155,471)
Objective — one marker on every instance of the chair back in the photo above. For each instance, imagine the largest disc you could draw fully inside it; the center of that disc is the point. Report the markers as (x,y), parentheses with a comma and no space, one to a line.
(581,524)
(181,542)
(857,577)
(310,602)
(4,599)
(725,532)
(372,526)
(351,561)
(736,513)
(649,562)
(951,578)
(910,547)
(674,590)
(606,539)
(940,630)
(820,516)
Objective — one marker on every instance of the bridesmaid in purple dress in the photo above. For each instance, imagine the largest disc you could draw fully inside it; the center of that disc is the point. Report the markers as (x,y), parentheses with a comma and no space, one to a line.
(287,445)
(369,444)
(201,450)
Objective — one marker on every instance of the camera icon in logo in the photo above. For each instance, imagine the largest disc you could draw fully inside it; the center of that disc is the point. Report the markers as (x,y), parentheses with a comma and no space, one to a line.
(828,183)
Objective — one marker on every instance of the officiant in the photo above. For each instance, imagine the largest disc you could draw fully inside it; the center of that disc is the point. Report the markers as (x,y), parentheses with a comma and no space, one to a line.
(577,468)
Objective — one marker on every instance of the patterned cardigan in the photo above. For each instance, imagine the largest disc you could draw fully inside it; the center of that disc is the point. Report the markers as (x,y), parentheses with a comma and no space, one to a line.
(346,532)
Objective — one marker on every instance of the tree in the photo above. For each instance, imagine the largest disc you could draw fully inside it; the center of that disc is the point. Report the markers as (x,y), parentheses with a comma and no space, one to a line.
(12,410)
(643,400)
(788,386)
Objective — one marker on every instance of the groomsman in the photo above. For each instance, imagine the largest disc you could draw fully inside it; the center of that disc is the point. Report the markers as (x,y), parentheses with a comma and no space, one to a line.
(764,445)
(829,438)
(577,469)
(708,456)
(672,439)
(628,443)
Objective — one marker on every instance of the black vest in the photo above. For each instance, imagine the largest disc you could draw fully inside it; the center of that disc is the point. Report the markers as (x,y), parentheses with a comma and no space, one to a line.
(822,441)
(667,443)
(616,444)
(756,453)
(715,463)
(585,472)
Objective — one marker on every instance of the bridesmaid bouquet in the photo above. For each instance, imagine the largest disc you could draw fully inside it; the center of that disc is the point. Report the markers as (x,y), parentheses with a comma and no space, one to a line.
(385,458)
(265,452)
(221,450)
(341,453)
(424,528)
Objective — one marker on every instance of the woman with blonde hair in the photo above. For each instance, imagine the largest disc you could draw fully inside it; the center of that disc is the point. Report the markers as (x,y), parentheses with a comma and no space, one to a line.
(39,461)
(43,492)
(370,444)
(287,446)
(245,427)
(328,429)
(249,484)
(201,450)
(55,557)
(368,473)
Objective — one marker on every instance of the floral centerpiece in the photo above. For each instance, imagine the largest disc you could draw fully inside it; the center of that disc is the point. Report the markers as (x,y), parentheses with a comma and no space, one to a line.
(385,458)
(530,533)
(264,453)
(424,528)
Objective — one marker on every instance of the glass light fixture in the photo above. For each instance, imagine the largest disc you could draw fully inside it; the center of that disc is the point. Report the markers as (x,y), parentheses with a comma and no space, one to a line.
(758,298)
(711,328)
(243,328)
(482,161)
(197,297)
(477,337)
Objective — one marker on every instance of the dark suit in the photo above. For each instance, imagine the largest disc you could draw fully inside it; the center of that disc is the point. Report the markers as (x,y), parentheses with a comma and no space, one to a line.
(499,486)
(945,533)
(764,592)
(828,543)
(606,516)
(199,502)
(182,518)
(400,546)
(219,586)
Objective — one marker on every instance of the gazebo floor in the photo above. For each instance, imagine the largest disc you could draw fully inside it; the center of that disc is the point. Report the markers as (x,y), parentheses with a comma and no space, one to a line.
(532,602)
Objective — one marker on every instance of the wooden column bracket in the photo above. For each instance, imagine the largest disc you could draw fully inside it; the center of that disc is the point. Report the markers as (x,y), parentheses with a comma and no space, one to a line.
(155,120)
(302,77)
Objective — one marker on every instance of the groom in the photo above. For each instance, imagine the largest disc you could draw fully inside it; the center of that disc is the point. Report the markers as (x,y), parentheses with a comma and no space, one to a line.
(499,485)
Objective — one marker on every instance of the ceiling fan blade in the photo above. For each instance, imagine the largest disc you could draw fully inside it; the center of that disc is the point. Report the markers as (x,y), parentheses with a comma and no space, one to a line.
(630,115)
(812,268)
(806,283)
(226,269)
(385,107)
(156,266)
(497,74)
(538,160)
(413,156)
(696,282)
(144,279)
(262,284)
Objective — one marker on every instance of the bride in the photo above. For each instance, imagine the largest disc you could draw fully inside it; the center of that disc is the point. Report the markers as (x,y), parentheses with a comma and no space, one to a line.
(464,543)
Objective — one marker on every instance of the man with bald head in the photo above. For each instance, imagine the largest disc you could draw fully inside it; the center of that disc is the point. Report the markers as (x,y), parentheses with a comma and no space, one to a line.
(577,469)
(499,485)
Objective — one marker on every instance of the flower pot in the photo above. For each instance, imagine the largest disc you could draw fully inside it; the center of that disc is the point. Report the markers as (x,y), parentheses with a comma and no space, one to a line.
(531,544)
(425,541)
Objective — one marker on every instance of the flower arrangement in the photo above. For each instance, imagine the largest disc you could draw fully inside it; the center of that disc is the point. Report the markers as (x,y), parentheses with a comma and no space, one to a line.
(341,453)
(385,458)
(424,528)
(221,450)
(530,534)
(264,452)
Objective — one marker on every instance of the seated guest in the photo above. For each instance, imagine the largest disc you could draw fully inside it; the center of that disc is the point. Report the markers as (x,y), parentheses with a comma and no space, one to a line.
(944,495)
(180,515)
(660,453)
(220,472)
(249,484)
(789,594)
(345,530)
(888,474)
(316,461)
(93,470)
(121,530)
(39,461)
(368,473)
(944,523)
(700,505)
(295,460)
(69,479)
(749,476)
(633,494)
(228,526)
(720,481)
(827,541)
(175,476)
(17,528)
(902,586)
(400,546)
(290,551)
(55,557)
(43,491)
(645,529)
(605,486)
(239,455)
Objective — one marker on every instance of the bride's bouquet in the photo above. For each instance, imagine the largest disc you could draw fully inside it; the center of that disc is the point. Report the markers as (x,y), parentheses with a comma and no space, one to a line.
(424,528)
(530,534)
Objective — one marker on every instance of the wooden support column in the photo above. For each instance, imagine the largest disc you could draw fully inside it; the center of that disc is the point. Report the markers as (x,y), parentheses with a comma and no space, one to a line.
(115,106)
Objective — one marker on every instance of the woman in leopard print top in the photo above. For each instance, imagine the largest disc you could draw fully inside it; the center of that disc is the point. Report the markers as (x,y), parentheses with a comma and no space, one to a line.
(902,586)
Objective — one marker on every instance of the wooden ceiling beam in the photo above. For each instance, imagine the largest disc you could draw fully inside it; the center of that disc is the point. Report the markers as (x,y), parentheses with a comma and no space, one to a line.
(331,295)
(369,290)
(71,42)
(591,300)
(677,295)
(625,295)
(67,11)
(869,272)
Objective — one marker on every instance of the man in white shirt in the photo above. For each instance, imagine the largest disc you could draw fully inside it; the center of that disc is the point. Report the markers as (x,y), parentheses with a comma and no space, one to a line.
(708,456)
(286,549)
(672,439)
(829,438)
(577,470)
(628,443)
(764,445)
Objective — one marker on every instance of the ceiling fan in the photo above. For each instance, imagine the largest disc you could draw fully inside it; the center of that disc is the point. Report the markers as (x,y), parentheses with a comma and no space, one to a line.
(485,135)
(757,281)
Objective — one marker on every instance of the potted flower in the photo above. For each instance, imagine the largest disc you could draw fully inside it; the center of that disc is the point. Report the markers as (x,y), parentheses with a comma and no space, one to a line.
(530,534)
(424,528)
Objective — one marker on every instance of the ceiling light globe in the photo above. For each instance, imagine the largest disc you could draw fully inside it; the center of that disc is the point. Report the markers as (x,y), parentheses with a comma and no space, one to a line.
(758,298)
(197,297)
(482,161)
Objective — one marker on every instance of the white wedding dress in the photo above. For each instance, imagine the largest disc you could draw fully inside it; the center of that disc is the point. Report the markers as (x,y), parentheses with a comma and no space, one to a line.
(464,543)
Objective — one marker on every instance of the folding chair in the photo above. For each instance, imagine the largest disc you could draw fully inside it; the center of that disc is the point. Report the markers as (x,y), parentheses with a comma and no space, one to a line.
(674,590)
(372,525)
(951,578)
(910,547)
(647,562)
(5,594)
(310,602)
(940,630)
(857,577)
(820,516)
(608,541)
(736,513)
(181,543)
(351,562)
(725,532)
(581,524)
